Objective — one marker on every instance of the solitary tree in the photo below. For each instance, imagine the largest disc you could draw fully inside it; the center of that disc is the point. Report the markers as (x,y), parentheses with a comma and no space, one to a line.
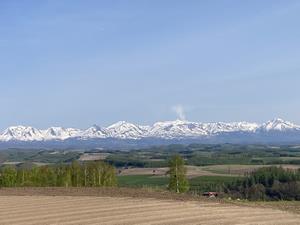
(178,181)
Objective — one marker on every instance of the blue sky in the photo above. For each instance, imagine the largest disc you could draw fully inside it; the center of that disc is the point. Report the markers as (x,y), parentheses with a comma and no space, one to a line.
(76,63)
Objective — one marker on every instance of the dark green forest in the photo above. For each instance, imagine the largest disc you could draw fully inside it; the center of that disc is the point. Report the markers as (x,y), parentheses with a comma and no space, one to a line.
(269,183)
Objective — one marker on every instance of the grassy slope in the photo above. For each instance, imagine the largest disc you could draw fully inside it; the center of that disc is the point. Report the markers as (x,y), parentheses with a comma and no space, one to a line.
(142,180)
(199,184)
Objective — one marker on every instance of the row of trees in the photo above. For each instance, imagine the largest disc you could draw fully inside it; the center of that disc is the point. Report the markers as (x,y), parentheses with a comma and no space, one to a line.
(93,174)
(270,183)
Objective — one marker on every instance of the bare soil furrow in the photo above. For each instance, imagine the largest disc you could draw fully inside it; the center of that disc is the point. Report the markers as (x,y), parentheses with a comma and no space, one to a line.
(31,211)
(159,215)
(52,201)
(237,218)
(87,210)
(134,219)
(5,205)
(74,206)
(281,219)
(107,216)
(158,210)
(200,216)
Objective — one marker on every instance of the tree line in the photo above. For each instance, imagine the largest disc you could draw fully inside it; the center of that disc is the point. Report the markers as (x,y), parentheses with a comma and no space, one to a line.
(92,174)
(269,183)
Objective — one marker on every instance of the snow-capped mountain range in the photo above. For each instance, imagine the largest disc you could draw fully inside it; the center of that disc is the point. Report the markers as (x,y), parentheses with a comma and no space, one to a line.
(168,130)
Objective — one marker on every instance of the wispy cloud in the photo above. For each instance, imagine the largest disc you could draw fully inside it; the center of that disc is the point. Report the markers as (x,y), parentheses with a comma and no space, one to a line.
(179,110)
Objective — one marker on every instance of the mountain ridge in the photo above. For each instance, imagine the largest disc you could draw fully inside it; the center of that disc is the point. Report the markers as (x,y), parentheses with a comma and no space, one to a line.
(177,129)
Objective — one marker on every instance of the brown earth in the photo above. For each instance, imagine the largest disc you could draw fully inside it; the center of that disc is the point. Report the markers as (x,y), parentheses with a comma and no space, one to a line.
(93,156)
(126,206)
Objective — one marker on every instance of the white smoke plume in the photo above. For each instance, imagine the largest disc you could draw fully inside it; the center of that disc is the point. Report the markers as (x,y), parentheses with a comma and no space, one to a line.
(179,110)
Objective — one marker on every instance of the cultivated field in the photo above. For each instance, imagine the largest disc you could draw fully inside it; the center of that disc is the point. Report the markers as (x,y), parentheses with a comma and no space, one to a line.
(240,170)
(197,171)
(41,209)
(93,156)
(192,171)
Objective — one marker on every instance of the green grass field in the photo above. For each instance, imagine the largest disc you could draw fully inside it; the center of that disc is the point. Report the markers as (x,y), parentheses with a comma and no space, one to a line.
(211,180)
(240,170)
(197,184)
(142,180)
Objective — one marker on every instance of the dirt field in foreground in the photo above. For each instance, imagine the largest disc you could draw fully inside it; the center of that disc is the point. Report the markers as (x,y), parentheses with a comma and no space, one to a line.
(44,210)
(60,206)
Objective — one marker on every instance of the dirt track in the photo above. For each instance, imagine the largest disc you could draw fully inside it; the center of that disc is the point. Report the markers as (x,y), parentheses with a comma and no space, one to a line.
(97,209)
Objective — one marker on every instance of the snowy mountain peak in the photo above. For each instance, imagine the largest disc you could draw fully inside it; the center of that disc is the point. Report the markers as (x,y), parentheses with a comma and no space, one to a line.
(21,133)
(60,133)
(176,129)
(123,129)
(279,120)
(171,122)
(120,124)
(93,132)
(278,124)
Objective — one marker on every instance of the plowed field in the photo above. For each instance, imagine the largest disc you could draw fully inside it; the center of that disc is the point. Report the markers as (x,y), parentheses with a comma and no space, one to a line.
(81,210)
